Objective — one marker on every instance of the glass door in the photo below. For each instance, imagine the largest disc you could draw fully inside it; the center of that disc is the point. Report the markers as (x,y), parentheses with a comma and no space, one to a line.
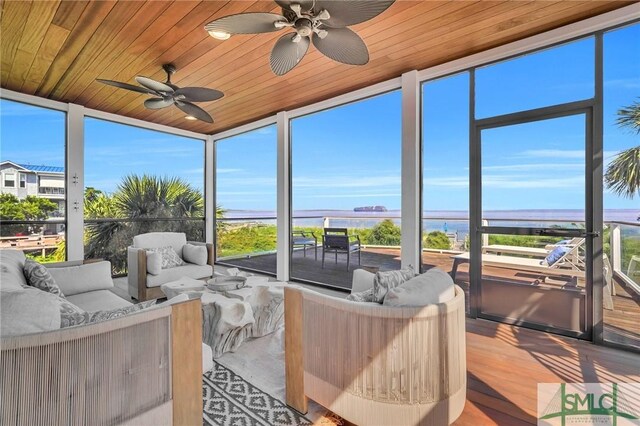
(533,222)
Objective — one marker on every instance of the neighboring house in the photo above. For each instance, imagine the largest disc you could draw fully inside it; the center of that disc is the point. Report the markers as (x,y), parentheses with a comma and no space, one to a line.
(22,180)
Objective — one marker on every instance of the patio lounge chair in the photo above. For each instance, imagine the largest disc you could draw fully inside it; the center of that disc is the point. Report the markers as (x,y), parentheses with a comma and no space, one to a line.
(529,251)
(337,240)
(304,239)
(569,264)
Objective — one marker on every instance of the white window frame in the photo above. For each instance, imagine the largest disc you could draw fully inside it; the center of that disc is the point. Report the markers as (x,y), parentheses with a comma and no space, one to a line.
(4,180)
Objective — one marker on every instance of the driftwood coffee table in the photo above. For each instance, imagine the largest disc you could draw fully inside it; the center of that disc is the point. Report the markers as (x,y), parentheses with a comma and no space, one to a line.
(231,317)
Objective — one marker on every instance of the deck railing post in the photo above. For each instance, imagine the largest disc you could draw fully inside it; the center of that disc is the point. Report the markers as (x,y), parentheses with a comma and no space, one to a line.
(615,242)
(485,237)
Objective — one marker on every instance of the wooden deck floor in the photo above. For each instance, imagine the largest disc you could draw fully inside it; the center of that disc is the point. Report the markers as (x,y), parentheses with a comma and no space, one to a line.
(505,364)
(622,323)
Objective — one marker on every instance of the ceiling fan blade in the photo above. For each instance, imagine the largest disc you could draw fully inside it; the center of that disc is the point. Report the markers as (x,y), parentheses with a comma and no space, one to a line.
(126,86)
(286,54)
(157,103)
(246,23)
(194,111)
(156,86)
(199,94)
(342,45)
(350,12)
(304,4)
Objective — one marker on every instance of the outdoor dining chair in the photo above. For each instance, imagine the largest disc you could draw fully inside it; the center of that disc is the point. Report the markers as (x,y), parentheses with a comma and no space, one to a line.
(337,240)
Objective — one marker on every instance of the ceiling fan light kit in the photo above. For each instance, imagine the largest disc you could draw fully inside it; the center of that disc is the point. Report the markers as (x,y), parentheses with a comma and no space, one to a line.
(321,22)
(220,35)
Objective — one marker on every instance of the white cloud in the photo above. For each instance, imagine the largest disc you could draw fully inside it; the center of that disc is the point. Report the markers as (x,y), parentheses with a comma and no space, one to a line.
(347,182)
(510,182)
(578,154)
(355,195)
(534,167)
(196,171)
(223,171)
(624,83)
(553,153)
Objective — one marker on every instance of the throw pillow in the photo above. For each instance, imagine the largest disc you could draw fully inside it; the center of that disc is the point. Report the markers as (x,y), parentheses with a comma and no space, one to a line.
(38,276)
(362,296)
(434,286)
(362,280)
(74,317)
(195,254)
(28,311)
(71,315)
(154,263)
(170,259)
(384,281)
(555,255)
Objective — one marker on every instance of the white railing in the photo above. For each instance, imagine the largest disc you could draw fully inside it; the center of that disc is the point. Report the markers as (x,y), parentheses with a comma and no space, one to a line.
(627,271)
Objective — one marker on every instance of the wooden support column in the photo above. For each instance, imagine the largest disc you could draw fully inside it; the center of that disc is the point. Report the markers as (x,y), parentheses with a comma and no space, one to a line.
(186,362)
(294,350)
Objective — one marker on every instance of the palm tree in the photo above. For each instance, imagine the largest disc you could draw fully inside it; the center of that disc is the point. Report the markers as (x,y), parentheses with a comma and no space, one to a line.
(623,173)
(144,200)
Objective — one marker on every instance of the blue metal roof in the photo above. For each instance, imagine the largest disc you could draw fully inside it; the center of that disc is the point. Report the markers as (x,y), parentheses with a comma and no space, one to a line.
(34,168)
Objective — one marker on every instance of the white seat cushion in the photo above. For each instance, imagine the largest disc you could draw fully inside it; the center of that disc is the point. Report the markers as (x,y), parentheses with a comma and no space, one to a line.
(100,300)
(83,278)
(172,274)
(434,286)
(161,239)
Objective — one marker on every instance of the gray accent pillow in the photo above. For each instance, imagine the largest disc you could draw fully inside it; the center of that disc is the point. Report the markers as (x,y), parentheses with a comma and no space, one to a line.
(154,263)
(434,286)
(73,318)
(28,311)
(170,258)
(385,281)
(38,276)
(362,296)
(71,314)
(195,254)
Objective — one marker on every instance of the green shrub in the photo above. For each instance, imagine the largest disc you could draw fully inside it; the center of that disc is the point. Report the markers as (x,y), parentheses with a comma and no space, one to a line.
(437,240)
(247,240)
(385,233)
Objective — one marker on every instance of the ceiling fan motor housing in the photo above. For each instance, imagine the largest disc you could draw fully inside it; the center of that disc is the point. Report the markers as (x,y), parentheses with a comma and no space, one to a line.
(304,27)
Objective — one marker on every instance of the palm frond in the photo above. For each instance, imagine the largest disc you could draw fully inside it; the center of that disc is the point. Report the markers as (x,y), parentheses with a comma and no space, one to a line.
(629,116)
(623,173)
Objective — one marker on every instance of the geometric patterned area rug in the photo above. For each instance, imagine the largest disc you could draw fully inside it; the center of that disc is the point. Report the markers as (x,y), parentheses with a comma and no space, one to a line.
(230,400)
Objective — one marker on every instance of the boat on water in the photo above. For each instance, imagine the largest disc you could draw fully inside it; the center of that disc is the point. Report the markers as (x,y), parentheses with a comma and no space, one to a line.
(370,209)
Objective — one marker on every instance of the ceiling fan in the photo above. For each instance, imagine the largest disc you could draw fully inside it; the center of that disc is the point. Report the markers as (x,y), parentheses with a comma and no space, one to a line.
(167,94)
(325,22)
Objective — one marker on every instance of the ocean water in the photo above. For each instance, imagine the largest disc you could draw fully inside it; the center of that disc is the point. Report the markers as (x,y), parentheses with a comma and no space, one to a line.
(625,215)
(446,221)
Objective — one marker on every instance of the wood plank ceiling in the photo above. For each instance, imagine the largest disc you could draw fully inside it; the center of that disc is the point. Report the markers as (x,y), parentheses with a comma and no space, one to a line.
(56,50)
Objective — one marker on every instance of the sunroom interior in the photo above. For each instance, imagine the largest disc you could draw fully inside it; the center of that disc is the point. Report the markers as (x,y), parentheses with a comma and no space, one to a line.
(479,139)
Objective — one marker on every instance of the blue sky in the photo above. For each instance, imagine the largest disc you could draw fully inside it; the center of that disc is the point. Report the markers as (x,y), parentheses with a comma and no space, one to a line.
(349,156)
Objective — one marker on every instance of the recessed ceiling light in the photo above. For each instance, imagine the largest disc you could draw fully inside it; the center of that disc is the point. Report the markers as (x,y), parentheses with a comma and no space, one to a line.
(220,35)
(190,117)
